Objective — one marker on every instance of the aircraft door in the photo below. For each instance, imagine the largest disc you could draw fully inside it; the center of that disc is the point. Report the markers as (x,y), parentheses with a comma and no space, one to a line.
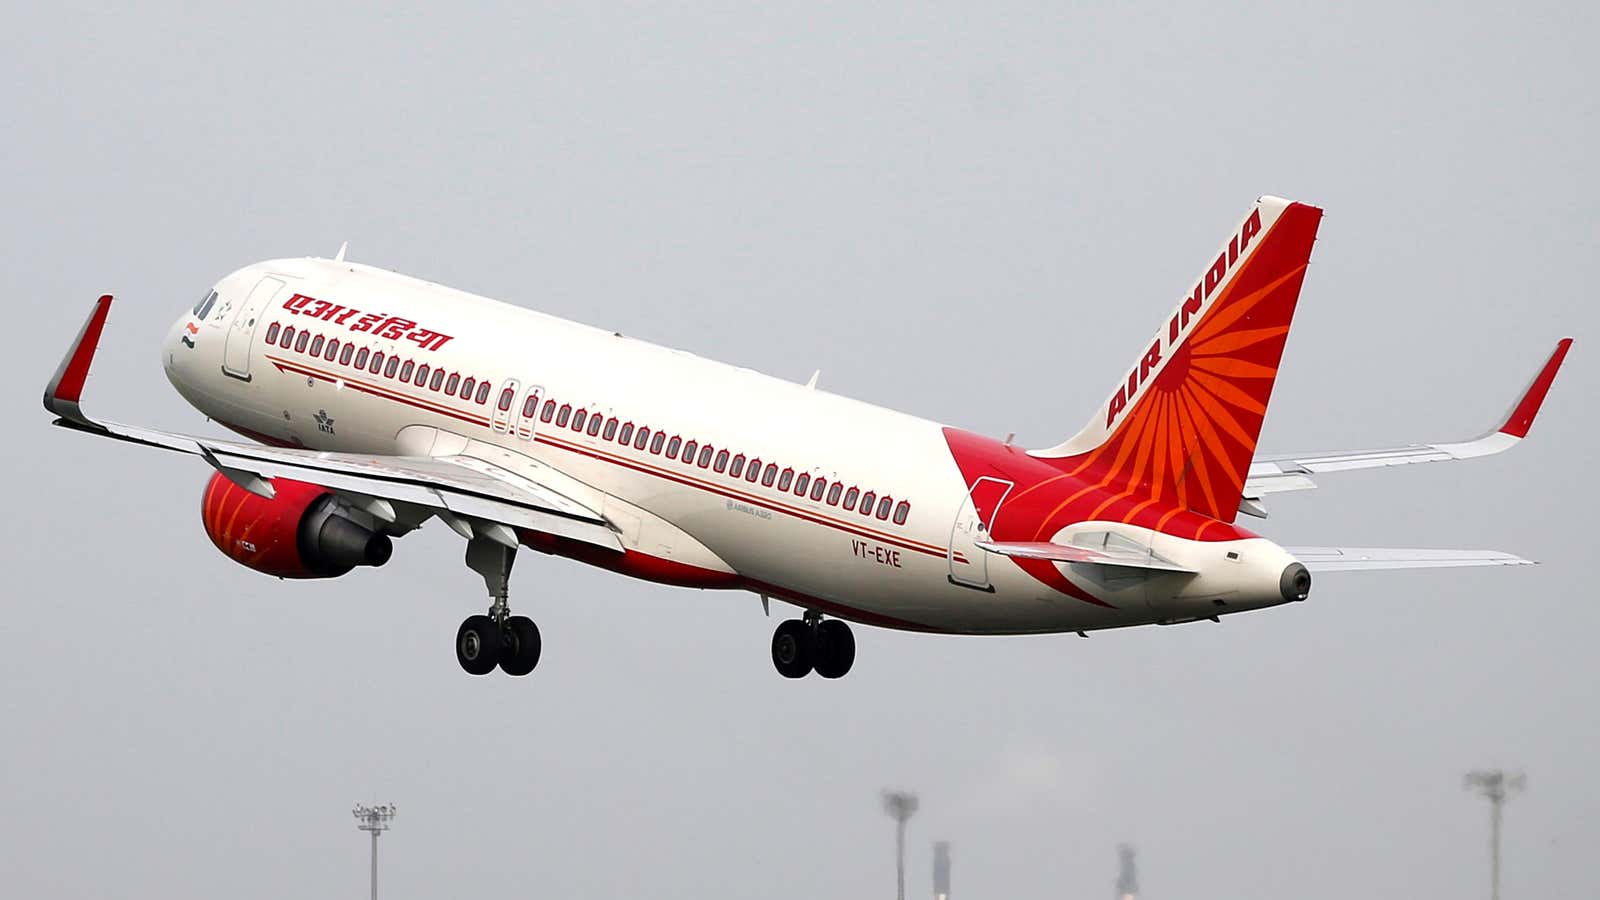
(242,331)
(527,414)
(969,565)
(504,403)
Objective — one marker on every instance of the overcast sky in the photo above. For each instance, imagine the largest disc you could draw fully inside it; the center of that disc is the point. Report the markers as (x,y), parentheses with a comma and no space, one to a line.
(973,216)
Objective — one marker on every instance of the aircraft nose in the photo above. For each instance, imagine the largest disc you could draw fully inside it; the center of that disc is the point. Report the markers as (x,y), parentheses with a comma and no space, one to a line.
(1295,583)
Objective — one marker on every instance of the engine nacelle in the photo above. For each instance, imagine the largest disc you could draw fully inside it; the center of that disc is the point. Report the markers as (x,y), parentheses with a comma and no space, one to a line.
(302,532)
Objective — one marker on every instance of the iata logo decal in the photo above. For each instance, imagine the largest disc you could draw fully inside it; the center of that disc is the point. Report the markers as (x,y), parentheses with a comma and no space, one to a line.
(324,421)
(1178,328)
(379,324)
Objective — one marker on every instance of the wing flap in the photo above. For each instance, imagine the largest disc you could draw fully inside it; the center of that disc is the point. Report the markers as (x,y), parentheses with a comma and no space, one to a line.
(1292,472)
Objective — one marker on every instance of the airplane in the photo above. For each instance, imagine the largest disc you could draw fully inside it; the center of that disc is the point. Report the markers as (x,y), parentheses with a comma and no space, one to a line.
(373,402)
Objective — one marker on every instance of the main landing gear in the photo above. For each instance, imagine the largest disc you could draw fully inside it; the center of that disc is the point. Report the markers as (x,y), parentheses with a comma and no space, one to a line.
(800,647)
(499,638)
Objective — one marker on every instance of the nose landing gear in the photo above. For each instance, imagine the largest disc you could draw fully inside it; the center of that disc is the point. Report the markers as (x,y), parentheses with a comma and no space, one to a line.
(800,647)
(498,638)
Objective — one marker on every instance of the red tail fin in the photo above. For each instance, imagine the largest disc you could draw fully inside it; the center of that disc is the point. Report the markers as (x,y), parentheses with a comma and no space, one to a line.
(1180,428)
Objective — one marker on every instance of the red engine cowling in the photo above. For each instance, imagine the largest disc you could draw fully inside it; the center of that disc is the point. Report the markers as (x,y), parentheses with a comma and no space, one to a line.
(300,533)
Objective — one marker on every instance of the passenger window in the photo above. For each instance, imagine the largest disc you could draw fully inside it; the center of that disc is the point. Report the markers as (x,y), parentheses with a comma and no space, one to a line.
(316,345)
(818,487)
(754,472)
(655,443)
(346,353)
(800,485)
(901,512)
(422,375)
(705,457)
(579,418)
(530,407)
(483,392)
(377,363)
(333,351)
(642,439)
(611,431)
(595,423)
(450,384)
(272,333)
(673,446)
(390,366)
(406,370)
(770,475)
(786,479)
(361,358)
(688,452)
(548,412)
(883,506)
(867,500)
(566,413)
(436,380)
(626,437)
(737,467)
(288,338)
(833,493)
(466,388)
(300,342)
(506,396)
(850,497)
(722,461)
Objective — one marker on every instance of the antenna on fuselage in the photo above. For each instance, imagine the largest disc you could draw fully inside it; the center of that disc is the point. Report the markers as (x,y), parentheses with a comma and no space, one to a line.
(339,257)
(811,385)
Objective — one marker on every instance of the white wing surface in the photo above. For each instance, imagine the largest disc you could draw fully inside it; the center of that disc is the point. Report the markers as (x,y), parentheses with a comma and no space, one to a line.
(473,497)
(1276,474)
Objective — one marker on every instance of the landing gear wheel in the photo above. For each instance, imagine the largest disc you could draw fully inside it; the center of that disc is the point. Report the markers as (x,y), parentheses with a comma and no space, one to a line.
(478,645)
(520,651)
(835,649)
(791,649)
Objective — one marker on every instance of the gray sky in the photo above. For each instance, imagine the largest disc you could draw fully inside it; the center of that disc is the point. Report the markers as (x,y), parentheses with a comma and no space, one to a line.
(973,216)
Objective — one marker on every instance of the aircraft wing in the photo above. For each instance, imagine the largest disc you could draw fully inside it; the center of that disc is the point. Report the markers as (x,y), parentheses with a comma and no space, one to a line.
(1363,559)
(1276,474)
(474,498)
(1106,556)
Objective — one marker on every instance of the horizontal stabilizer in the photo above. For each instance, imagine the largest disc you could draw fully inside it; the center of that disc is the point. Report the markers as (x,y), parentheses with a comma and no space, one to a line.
(1109,556)
(1363,559)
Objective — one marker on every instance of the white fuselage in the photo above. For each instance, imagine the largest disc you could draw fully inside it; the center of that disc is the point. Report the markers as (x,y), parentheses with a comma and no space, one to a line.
(698,521)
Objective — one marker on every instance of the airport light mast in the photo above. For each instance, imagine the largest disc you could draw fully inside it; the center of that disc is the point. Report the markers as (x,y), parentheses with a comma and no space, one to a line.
(374,820)
(1498,786)
(1127,874)
(941,870)
(901,806)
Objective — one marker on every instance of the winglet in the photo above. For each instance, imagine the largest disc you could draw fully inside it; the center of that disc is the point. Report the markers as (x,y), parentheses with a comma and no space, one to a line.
(62,394)
(1521,417)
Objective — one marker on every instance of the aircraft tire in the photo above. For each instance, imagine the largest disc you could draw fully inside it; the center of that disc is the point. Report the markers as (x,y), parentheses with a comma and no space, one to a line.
(478,645)
(835,649)
(520,651)
(792,648)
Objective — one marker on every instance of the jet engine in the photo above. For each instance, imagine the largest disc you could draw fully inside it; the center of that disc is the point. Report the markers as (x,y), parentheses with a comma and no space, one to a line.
(302,531)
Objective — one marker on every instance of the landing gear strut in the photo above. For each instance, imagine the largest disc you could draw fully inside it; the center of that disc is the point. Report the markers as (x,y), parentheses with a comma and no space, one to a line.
(800,647)
(498,638)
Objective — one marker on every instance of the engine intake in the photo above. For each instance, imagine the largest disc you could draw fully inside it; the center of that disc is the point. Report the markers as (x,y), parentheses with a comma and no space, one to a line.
(301,532)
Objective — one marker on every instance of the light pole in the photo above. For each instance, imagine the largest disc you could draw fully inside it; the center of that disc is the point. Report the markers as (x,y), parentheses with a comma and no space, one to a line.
(374,820)
(901,805)
(1497,786)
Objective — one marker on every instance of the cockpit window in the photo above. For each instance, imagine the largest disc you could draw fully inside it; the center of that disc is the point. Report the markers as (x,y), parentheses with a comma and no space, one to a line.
(203,308)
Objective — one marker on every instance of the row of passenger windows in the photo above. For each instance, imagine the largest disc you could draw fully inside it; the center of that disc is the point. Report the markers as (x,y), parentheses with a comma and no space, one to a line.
(734,465)
(641,438)
(378,363)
